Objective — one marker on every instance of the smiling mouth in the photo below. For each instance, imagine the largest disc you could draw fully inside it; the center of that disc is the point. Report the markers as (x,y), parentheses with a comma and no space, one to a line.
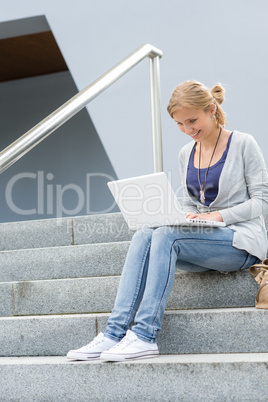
(194,135)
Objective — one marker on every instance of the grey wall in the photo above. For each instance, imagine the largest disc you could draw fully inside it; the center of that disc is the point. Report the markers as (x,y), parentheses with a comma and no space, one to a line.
(208,40)
(64,175)
(24,26)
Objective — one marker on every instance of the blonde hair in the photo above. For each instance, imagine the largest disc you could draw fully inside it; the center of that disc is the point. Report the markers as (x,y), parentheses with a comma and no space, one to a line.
(193,94)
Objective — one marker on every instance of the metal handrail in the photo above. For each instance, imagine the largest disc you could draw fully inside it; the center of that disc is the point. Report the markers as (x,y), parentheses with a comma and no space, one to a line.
(56,119)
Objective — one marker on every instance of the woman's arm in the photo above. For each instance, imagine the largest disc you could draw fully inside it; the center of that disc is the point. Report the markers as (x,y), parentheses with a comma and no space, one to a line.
(212,216)
(256,181)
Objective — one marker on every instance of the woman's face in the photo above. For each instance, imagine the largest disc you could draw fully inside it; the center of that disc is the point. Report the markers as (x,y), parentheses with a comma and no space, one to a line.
(196,123)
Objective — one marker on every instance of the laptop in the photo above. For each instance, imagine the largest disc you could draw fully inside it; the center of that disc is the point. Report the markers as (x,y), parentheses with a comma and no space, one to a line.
(149,201)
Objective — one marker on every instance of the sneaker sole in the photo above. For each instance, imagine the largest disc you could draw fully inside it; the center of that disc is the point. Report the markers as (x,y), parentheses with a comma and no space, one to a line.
(124,357)
(84,357)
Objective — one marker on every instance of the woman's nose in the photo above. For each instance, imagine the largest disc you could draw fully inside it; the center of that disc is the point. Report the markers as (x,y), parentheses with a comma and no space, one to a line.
(188,130)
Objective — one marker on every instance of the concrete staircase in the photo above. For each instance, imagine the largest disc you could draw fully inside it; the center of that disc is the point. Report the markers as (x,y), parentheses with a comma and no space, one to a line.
(58,281)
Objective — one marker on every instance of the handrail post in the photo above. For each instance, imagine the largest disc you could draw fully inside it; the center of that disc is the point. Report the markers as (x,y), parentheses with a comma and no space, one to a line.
(156,114)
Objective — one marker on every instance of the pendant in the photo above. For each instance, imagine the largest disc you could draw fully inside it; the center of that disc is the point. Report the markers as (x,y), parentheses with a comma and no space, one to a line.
(202,196)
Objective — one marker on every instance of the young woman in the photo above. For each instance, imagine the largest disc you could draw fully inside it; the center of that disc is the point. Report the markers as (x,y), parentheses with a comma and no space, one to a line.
(225,179)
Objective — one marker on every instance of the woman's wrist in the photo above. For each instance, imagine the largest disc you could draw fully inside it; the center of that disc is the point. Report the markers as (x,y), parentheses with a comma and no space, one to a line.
(218,216)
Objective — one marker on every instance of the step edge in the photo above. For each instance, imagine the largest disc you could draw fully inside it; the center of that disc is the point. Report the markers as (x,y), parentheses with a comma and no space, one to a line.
(205,359)
(62,219)
(70,246)
(107,314)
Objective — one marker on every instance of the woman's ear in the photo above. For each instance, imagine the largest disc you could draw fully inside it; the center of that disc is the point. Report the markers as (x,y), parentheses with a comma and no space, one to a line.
(212,109)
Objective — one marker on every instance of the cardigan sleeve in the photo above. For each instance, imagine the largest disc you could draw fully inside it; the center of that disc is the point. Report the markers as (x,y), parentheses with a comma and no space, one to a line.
(187,204)
(256,179)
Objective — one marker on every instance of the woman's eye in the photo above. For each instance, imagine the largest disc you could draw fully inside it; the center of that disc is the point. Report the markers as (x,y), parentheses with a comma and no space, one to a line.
(193,121)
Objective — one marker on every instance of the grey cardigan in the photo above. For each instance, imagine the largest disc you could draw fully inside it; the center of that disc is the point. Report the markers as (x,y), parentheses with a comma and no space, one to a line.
(242,198)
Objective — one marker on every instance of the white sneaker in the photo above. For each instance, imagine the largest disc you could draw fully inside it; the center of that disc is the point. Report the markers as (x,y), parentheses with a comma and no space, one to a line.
(93,350)
(130,347)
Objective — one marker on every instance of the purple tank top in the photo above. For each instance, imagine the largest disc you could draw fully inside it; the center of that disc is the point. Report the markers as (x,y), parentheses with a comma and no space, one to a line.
(213,176)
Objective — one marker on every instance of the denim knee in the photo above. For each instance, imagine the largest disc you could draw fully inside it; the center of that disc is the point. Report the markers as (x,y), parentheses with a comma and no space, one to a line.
(165,233)
(143,234)
(162,231)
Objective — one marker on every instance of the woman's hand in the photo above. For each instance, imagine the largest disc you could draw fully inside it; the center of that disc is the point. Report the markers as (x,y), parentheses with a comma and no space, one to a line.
(213,216)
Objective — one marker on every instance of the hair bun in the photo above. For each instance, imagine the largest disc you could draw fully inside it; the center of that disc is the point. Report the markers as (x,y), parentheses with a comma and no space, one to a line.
(218,93)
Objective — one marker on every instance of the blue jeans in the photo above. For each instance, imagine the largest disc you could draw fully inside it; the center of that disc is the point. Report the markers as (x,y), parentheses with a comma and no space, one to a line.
(149,269)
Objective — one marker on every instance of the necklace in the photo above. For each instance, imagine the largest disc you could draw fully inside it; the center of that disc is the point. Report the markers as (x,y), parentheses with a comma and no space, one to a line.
(203,188)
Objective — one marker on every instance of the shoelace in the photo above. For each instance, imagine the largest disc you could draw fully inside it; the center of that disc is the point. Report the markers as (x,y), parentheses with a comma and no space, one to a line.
(98,339)
(124,343)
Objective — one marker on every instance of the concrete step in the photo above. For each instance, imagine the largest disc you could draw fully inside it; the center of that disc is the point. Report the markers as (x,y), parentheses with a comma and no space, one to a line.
(238,330)
(100,229)
(218,378)
(63,262)
(39,233)
(64,232)
(90,295)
